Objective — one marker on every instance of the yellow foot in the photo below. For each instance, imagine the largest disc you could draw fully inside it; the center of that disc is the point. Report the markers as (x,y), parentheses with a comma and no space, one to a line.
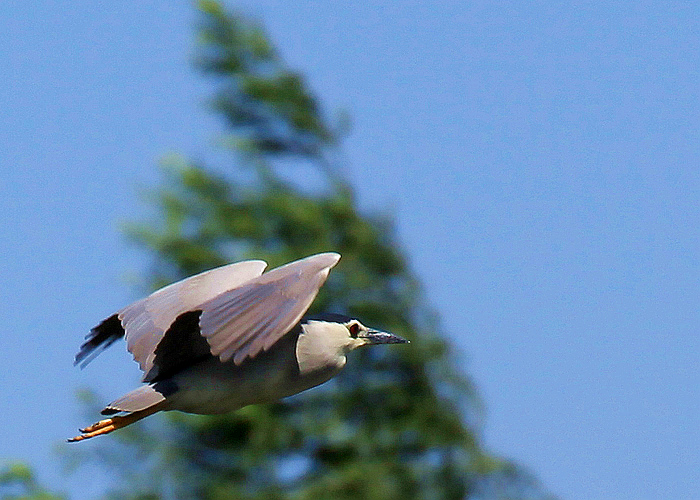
(112,424)
(102,427)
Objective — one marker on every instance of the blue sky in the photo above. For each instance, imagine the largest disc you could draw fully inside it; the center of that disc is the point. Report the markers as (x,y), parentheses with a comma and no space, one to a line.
(541,160)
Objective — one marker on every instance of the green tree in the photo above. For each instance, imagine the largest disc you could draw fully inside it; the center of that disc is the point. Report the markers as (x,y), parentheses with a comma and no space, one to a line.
(397,423)
(17,482)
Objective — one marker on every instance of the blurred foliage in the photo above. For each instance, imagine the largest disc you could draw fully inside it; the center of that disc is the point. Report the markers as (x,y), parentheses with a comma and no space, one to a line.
(17,482)
(399,422)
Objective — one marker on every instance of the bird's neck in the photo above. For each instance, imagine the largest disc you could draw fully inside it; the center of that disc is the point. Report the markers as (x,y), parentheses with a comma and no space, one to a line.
(320,349)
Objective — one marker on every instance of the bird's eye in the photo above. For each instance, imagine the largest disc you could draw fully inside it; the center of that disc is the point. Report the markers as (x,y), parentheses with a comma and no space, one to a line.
(354,330)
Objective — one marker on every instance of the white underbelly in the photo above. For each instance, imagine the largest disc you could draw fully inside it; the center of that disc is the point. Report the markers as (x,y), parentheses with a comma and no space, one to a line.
(214,388)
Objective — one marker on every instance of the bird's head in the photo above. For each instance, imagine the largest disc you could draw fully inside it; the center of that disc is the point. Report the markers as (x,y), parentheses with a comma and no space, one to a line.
(346,333)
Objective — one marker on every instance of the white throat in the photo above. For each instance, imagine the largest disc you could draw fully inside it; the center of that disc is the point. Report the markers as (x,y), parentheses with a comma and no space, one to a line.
(322,346)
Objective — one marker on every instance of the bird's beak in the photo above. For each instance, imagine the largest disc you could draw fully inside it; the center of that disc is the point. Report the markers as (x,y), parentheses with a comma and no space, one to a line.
(377,337)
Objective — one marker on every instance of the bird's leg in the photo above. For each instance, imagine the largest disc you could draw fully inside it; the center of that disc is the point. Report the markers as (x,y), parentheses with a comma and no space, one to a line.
(112,424)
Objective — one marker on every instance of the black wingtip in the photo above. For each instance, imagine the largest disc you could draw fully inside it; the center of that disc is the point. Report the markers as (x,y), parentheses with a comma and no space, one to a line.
(99,338)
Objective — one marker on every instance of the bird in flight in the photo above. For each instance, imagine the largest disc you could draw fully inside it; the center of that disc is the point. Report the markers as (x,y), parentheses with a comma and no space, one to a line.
(227,338)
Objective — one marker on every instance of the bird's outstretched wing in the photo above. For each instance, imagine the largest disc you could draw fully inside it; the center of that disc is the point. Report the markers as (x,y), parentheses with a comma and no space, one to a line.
(145,322)
(243,321)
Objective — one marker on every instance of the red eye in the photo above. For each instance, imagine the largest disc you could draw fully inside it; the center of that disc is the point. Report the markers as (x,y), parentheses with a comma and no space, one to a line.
(354,329)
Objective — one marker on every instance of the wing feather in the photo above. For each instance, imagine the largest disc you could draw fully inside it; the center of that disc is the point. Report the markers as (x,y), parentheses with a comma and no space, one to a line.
(146,321)
(242,322)
(243,311)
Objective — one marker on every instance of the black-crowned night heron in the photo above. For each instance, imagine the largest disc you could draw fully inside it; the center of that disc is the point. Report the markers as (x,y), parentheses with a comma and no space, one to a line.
(228,338)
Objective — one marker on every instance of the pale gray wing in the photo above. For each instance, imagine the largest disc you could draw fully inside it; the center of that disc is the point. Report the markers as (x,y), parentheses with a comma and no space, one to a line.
(146,321)
(242,322)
